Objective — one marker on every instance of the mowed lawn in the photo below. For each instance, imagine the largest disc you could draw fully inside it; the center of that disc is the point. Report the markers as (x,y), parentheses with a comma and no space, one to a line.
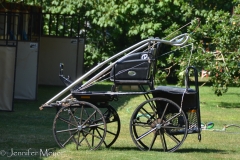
(26,133)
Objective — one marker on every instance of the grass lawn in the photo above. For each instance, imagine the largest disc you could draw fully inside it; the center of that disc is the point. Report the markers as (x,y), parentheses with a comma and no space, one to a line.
(26,133)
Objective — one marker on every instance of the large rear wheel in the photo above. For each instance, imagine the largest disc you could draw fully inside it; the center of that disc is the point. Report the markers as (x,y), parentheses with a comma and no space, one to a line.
(158,124)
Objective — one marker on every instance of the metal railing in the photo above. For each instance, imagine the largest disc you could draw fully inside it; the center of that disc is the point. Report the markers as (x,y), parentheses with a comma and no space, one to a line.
(30,26)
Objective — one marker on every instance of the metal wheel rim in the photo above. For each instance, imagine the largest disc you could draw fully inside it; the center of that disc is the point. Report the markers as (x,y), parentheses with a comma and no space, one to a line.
(88,128)
(157,128)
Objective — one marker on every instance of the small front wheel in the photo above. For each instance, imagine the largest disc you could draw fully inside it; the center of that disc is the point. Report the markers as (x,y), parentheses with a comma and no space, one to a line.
(82,123)
(158,124)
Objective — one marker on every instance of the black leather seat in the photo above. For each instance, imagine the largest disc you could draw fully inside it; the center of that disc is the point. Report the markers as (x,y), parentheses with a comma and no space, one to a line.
(134,68)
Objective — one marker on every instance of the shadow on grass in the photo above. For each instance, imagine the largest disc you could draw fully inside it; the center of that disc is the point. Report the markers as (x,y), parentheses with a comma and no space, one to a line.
(229,105)
(185,150)
(201,150)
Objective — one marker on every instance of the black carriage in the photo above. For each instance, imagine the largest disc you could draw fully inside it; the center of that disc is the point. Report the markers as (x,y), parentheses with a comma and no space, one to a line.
(161,122)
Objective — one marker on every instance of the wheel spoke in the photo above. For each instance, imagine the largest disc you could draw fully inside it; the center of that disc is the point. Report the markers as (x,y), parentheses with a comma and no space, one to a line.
(164,145)
(144,113)
(152,104)
(93,125)
(85,138)
(92,134)
(93,137)
(113,124)
(89,117)
(78,140)
(174,138)
(107,131)
(71,114)
(66,121)
(153,140)
(141,124)
(81,115)
(145,134)
(66,130)
(172,117)
(165,109)
(68,139)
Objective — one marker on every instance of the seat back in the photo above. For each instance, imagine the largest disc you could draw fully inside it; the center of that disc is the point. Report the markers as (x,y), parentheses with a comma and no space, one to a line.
(133,68)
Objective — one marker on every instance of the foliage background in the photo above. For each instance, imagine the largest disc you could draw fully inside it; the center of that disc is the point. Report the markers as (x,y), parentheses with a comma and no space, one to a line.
(113,25)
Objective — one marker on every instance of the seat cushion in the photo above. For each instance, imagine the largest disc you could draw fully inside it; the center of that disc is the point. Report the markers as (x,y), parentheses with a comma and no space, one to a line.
(176,94)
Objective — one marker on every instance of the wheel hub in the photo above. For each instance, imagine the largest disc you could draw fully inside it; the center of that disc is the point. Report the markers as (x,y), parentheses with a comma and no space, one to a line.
(79,127)
(156,123)
(158,126)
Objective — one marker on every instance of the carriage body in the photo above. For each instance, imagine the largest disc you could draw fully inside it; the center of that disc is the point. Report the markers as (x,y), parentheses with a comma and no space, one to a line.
(168,112)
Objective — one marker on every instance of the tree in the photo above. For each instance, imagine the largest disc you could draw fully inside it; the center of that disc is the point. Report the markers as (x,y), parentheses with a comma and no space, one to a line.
(223,57)
(163,17)
(117,24)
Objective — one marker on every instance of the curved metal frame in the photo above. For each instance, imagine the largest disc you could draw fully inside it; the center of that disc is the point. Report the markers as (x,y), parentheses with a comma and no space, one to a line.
(176,41)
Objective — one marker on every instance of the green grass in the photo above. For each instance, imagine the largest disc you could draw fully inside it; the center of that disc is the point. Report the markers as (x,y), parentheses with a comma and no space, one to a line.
(29,129)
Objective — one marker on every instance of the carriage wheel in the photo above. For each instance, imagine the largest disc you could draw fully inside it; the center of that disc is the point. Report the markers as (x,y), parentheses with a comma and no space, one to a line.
(158,124)
(113,125)
(82,123)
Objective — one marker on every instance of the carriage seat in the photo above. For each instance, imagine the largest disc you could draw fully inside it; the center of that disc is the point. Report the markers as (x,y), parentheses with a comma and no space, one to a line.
(176,93)
(133,69)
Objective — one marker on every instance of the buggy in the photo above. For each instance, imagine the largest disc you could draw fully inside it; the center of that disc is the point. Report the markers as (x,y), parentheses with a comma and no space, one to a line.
(161,122)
